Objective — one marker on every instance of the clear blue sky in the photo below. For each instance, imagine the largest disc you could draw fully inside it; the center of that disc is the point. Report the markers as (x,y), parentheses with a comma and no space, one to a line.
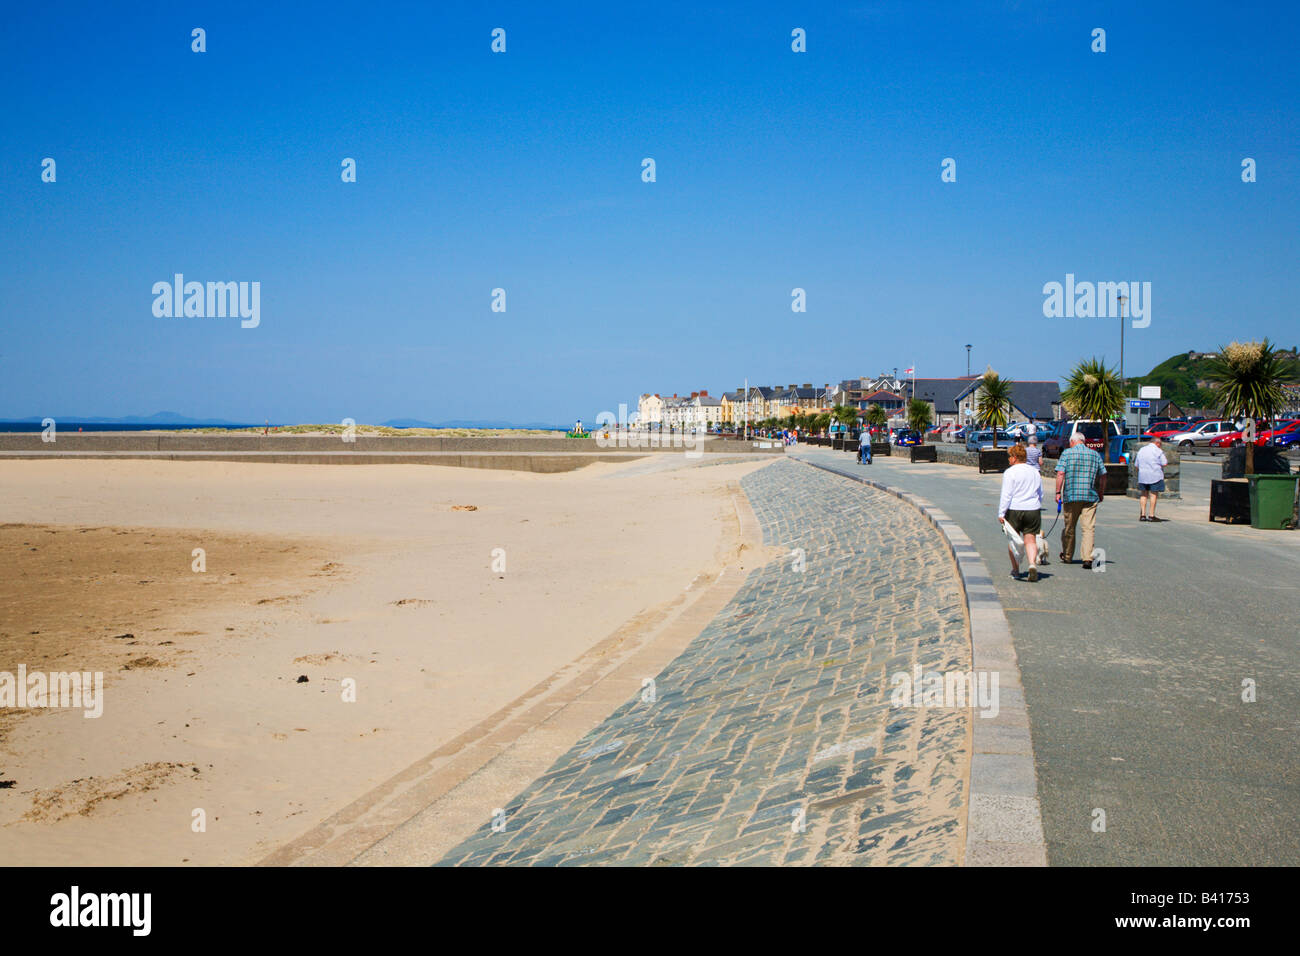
(478,170)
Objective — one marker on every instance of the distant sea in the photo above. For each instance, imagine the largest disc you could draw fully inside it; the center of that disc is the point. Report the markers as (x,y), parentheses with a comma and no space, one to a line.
(72,426)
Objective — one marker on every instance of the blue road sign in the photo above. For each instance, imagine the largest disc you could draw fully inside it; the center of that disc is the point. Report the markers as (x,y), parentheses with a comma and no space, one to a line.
(1139,403)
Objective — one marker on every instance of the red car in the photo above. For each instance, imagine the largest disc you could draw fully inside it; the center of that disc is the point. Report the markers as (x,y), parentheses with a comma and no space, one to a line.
(1230,440)
(1165,429)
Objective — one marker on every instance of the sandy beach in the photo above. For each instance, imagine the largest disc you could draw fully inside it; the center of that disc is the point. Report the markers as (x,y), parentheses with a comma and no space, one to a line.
(436,595)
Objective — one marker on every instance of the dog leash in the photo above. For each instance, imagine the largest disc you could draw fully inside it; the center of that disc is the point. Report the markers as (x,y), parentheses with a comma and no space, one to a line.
(1054,521)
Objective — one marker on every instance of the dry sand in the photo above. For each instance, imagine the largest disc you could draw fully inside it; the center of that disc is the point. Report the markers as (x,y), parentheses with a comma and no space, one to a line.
(368,573)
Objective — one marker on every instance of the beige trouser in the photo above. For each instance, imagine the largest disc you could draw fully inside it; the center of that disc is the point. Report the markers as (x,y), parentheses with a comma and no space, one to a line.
(1084,514)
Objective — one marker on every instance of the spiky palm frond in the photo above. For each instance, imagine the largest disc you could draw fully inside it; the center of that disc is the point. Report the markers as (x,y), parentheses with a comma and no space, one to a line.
(1092,391)
(918,415)
(993,402)
(1248,378)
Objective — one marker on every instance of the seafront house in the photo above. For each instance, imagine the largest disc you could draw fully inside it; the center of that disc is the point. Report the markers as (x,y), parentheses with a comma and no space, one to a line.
(727,408)
(759,402)
(650,410)
(703,410)
(892,402)
(800,398)
(678,411)
(674,411)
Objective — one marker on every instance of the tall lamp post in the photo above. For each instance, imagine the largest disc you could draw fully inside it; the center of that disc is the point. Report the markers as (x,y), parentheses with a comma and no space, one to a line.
(968,361)
(1123,301)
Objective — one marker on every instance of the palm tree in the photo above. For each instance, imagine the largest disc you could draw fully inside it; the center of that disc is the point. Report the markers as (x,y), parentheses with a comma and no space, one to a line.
(1248,380)
(918,416)
(876,416)
(1092,392)
(846,415)
(993,401)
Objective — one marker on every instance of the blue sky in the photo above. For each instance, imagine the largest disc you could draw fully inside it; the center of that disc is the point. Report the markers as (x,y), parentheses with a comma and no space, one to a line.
(522,171)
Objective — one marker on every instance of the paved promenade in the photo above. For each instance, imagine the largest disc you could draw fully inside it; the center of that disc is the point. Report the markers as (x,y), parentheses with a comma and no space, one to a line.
(1133,677)
(771,739)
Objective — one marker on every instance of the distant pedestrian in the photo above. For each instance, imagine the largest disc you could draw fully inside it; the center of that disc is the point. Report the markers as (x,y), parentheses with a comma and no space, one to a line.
(1080,485)
(1151,463)
(1020,506)
(1033,454)
(864,447)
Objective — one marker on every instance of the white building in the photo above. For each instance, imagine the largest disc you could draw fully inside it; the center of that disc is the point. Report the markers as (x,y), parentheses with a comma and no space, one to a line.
(650,410)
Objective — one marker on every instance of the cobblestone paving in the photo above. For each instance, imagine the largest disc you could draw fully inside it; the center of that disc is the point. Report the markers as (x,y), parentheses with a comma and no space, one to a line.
(781,706)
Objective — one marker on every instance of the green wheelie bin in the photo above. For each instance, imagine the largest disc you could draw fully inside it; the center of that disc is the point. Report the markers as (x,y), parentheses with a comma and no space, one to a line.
(1272,500)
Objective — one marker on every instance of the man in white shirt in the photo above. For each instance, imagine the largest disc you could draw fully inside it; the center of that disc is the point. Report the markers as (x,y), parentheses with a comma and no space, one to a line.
(1020,506)
(1151,463)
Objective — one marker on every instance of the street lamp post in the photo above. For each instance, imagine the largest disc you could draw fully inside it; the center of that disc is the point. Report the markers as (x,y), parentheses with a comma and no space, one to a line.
(1123,300)
(968,361)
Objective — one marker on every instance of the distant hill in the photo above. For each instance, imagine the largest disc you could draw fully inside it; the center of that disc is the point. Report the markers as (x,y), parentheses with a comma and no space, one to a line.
(157,418)
(466,423)
(164,419)
(1182,379)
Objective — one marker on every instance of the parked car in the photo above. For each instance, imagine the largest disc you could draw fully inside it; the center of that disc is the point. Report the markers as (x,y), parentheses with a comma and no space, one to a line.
(1201,434)
(983,440)
(1288,439)
(1267,436)
(1230,440)
(1022,429)
(1123,447)
(906,436)
(1164,429)
(1059,438)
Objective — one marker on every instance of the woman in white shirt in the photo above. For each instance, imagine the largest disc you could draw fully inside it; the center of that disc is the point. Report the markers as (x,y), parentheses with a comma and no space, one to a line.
(1021,507)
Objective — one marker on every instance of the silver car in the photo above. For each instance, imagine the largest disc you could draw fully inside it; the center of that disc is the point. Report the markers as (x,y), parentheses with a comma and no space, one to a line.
(1202,434)
(983,440)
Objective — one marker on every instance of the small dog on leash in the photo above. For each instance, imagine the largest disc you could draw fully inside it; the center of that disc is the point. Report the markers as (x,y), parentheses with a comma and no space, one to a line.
(1018,544)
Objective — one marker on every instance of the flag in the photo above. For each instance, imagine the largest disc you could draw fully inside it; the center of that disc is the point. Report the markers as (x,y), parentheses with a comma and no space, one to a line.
(908,371)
